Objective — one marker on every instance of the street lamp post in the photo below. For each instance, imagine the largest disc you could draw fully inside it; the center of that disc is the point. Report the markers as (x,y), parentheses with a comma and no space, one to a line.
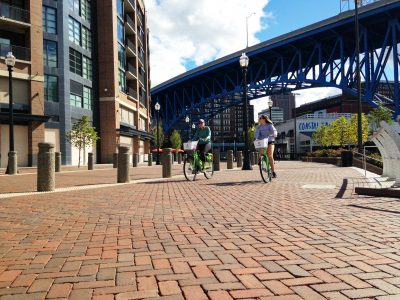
(187,120)
(157,108)
(270,104)
(193,127)
(244,63)
(12,167)
(358,74)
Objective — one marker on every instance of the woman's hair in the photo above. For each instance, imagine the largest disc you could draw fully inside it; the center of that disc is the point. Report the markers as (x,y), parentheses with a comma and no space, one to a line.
(266,118)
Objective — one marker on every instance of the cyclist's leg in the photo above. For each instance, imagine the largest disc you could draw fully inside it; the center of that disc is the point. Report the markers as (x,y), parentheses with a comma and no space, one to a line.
(205,150)
(200,148)
(270,154)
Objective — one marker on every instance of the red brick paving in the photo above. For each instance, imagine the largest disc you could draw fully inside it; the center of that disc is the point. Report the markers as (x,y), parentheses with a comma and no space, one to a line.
(231,237)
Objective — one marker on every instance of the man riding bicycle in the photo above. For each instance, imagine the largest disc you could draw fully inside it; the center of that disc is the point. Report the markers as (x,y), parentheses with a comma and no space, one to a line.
(203,135)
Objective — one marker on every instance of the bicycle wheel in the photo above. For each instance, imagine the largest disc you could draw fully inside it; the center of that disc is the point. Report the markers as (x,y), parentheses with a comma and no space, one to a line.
(265,169)
(189,168)
(209,169)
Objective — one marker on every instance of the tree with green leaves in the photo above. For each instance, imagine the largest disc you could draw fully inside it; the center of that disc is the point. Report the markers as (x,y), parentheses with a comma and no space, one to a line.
(378,114)
(340,130)
(353,132)
(319,135)
(176,140)
(161,134)
(82,135)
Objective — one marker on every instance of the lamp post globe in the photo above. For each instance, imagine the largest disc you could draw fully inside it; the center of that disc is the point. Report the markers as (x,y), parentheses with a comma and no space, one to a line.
(12,155)
(187,120)
(244,63)
(157,107)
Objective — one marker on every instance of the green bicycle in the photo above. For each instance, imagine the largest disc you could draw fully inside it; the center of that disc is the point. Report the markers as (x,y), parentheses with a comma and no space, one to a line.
(193,165)
(265,166)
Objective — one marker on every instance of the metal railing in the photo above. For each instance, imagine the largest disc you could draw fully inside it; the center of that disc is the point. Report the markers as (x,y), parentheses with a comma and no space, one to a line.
(131,68)
(325,116)
(14,13)
(19,52)
(131,92)
(130,22)
(130,45)
(366,157)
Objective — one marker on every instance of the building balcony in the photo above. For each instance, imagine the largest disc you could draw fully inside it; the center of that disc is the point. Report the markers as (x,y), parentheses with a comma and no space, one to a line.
(130,48)
(20,53)
(20,17)
(131,72)
(141,80)
(131,92)
(129,25)
(129,6)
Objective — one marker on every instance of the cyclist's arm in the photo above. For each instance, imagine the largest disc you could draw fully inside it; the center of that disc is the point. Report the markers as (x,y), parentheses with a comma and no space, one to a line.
(256,133)
(274,132)
(196,136)
(207,138)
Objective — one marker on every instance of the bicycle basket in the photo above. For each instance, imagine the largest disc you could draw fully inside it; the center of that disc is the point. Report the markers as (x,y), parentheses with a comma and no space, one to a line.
(190,145)
(261,144)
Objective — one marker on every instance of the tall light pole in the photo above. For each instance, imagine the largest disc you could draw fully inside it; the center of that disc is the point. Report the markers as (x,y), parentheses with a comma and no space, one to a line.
(270,104)
(187,120)
(157,108)
(295,124)
(12,167)
(358,74)
(244,64)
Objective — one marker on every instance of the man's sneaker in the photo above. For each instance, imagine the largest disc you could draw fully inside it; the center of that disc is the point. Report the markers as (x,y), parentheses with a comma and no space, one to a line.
(274,175)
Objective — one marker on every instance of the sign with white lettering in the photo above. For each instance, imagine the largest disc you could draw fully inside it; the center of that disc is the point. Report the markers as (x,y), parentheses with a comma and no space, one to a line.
(310,126)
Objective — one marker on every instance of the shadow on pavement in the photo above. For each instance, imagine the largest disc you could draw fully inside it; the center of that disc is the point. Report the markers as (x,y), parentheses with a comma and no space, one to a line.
(374,208)
(236,183)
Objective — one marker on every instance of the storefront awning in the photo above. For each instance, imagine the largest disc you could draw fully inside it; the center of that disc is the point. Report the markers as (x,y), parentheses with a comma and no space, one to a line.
(23,118)
(132,132)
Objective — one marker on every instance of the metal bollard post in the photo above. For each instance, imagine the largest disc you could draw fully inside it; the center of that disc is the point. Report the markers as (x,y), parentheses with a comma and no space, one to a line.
(216,160)
(58,162)
(90,161)
(239,159)
(252,158)
(229,158)
(179,158)
(12,168)
(150,159)
(167,163)
(115,161)
(46,176)
(135,159)
(123,164)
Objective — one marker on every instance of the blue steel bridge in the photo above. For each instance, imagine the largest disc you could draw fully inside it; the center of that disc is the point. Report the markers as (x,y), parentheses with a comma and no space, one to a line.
(320,55)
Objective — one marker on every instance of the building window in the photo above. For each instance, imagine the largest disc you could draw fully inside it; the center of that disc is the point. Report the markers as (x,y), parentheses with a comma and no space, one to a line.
(87,68)
(49,19)
(50,88)
(121,57)
(50,54)
(75,6)
(86,38)
(87,98)
(122,80)
(127,116)
(121,31)
(120,9)
(142,125)
(85,10)
(75,100)
(75,62)
(74,30)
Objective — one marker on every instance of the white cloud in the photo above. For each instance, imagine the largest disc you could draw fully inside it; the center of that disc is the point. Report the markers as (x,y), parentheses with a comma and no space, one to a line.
(198,31)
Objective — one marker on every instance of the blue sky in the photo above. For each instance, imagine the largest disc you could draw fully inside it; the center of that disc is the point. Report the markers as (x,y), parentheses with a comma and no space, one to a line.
(289,15)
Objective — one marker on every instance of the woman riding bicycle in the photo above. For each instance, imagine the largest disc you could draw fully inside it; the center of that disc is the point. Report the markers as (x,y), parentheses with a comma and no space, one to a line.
(203,135)
(264,130)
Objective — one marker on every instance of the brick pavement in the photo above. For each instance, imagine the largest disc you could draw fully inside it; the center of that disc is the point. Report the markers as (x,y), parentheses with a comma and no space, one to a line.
(231,237)
(74,177)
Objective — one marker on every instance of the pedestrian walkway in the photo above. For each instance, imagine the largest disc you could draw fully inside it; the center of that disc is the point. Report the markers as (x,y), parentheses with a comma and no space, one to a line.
(231,237)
